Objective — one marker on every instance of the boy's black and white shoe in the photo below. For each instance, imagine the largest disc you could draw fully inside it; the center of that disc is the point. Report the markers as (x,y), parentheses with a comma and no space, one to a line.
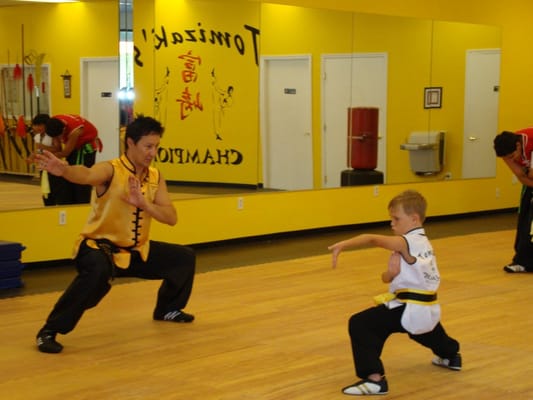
(46,342)
(455,363)
(175,316)
(514,268)
(366,387)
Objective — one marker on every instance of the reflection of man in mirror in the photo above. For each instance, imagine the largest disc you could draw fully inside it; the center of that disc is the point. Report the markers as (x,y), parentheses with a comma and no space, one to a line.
(515,149)
(80,142)
(222,99)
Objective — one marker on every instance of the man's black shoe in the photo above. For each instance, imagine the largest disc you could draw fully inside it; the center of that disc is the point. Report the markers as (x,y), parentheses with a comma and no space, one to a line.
(46,342)
(175,316)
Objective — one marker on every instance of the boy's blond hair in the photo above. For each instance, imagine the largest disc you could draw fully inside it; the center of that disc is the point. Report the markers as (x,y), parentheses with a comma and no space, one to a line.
(412,202)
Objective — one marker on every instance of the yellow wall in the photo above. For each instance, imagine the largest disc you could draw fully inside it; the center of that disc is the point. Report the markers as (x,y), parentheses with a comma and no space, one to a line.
(208,219)
(217,218)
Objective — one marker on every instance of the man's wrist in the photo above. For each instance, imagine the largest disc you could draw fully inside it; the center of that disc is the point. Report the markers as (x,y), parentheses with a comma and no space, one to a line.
(64,167)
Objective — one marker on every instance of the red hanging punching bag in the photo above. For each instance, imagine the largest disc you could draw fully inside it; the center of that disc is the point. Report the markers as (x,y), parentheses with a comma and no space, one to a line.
(363,137)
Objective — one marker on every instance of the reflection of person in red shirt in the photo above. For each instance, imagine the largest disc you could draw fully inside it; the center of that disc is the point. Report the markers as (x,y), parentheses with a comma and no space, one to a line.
(80,143)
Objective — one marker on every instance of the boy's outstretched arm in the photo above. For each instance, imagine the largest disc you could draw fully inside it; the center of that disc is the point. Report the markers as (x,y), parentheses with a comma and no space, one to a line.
(393,243)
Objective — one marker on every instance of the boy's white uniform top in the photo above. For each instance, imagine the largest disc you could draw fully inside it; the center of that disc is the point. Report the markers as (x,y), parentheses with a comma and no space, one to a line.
(423,275)
(45,140)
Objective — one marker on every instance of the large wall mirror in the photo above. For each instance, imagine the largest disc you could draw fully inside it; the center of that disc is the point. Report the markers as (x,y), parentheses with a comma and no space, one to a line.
(257,94)
(422,75)
(435,84)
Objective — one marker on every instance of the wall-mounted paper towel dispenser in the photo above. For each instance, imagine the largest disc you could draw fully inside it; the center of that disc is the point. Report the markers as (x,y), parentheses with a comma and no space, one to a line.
(426,152)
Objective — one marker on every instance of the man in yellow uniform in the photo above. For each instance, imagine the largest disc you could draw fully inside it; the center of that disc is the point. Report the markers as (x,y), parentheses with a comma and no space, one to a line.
(115,242)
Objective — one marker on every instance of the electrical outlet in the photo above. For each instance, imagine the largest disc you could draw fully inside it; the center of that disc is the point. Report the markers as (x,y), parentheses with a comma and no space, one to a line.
(376,191)
(240,203)
(62,217)
(498,193)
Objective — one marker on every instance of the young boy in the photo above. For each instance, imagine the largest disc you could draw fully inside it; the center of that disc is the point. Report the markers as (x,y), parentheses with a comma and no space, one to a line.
(409,307)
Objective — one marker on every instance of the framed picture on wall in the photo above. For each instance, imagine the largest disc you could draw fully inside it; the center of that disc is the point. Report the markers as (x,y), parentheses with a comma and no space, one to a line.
(67,85)
(433,97)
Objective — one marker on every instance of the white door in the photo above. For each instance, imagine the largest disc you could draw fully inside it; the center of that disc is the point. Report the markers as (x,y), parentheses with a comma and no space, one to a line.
(286,122)
(99,101)
(482,82)
(351,80)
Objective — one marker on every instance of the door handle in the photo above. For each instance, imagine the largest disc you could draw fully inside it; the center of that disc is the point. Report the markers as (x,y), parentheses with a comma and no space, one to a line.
(472,138)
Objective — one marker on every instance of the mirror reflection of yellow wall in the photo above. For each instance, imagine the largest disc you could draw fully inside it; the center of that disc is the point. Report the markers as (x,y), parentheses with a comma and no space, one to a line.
(62,34)
(421,53)
(205,85)
(451,42)
(407,41)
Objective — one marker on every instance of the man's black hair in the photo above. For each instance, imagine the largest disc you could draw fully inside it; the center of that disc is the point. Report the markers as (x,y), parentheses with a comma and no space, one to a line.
(54,127)
(142,126)
(505,143)
(40,119)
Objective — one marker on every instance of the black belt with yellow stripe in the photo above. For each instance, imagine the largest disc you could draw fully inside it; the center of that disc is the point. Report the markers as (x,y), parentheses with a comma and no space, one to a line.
(416,296)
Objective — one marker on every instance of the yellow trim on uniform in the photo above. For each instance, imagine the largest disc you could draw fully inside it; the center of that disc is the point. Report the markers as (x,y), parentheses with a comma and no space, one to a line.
(386,297)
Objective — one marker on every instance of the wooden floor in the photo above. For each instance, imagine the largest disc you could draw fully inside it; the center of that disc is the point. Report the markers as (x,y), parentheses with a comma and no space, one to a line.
(278,331)
(18,192)
(18,196)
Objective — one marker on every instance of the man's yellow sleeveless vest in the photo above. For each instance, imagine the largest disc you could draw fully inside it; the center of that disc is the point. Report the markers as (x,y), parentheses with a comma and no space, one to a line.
(112,218)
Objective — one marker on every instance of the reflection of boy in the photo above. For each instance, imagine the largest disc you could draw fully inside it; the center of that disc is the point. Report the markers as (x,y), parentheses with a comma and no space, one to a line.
(409,307)
(222,99)
(515,149)
(51,186)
